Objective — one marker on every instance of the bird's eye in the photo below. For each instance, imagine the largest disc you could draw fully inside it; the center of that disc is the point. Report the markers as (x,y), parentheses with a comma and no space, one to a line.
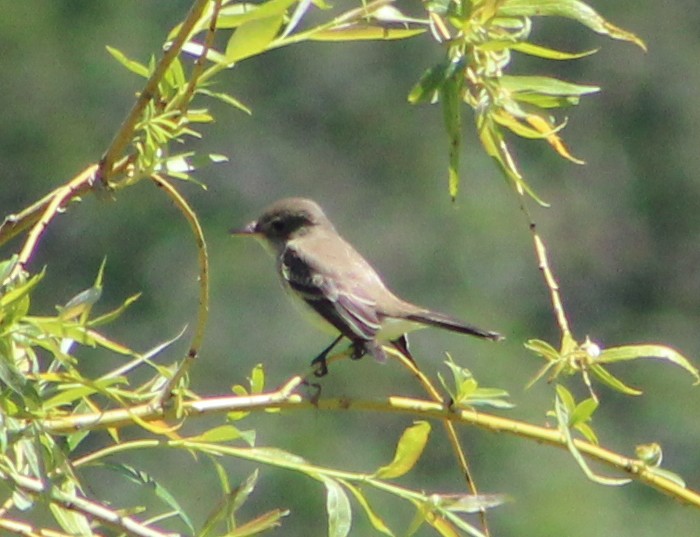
(277,225)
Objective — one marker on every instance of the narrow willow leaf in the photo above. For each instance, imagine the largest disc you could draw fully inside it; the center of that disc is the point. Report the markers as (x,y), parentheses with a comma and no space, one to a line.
(224,433)
(131,65)
(226,98)
(671,476)
(567,402)
(338,509)
(584,411)
(236,15)
(572,9)
(548,53)
(542,348)
(545,85)
(115,313)
(144,479)
(427,88)
(408,451)
(374,519)
(451,98)
(21,291)
(563,418)
(612,381)
(364,32)
(70,521)
(252,38)
(661,352)
(259,524)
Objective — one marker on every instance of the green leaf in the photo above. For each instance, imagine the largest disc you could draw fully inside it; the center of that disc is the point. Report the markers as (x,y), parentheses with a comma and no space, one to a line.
(427,88)
(364,32)
(71,522)
(548,53)
(20,291)
(451,98)
(115,313)
(144,479)
(544,85)
(257,379)
(632,352)
(225,433)
(408,451)
(572,9)
(226,98)
(611,381)
(338,508)
(374,519)
(567,401)
(131,65)
(584,411)
(264,522)
(252,38)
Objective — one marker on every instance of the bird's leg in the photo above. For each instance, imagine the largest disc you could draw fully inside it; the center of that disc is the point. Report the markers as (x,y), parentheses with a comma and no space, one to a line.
(320,361)
(361,347)
(401,345)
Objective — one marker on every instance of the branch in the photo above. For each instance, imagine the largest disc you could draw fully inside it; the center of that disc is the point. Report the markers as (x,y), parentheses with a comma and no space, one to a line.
(203,312)
(86,507)
(125,133)
(286,398)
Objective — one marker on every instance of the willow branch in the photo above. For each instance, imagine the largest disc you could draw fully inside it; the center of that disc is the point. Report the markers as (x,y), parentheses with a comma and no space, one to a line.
(125,133)
(450,429)
(26,530)
(87,508)
(285,398)
(203,310)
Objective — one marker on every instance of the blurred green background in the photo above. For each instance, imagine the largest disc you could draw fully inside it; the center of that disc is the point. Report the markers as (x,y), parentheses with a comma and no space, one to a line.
(331,122)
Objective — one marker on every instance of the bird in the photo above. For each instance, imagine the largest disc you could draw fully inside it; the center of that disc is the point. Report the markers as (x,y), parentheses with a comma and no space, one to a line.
(323,271)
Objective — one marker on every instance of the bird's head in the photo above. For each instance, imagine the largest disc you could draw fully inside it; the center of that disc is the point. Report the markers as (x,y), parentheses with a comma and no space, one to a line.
(285,220)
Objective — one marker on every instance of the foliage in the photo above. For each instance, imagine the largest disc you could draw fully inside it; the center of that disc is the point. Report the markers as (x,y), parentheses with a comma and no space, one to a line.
(50,407)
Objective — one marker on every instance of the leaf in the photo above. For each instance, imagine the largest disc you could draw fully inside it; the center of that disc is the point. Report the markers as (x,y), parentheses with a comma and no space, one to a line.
(71,521)
(408,451)
(226,98)
(632,352)
(374,519)
(259,524)
(131,65)
(257,379)
(364,32)
(572,9)
(548,53)
(338,508)
(451,99)
(430,82)
(115,313)
(544,85)
(563,418)
(144,479)
(252,38)
(611,381)
(225,433)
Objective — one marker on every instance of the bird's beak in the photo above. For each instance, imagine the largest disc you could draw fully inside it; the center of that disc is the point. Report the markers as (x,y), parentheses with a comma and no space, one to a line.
(249,229)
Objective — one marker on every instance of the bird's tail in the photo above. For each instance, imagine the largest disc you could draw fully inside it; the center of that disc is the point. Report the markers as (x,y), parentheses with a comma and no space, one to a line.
(440,320)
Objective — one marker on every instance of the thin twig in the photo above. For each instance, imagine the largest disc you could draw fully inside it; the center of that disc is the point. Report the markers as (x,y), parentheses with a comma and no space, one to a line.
(87,507)
(549,279)
(203,310)
(201,60)
(54,202)
(125,133)
(434,394)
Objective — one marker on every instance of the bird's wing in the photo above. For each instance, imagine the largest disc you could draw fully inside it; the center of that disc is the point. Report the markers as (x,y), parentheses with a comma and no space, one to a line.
(331,291)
